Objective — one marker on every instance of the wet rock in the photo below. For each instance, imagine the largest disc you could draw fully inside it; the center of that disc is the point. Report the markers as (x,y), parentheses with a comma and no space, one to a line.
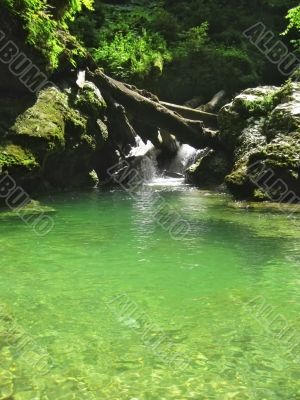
(265,141)
(89,100)
(210,169)
(249,142)
(234,117)
(52,144)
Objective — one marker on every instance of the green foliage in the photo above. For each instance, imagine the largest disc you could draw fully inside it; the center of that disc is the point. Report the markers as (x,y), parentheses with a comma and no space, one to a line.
(127,44)
(196,45)
(47,26)
(136,41)
(191,41)
(132,54)
(293,17)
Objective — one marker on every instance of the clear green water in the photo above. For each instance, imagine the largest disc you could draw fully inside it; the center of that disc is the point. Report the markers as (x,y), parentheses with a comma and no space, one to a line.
(191,299)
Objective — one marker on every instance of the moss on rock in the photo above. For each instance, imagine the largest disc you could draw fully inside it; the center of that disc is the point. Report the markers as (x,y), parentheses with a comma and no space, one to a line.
(270,140)
(242,111)
(90,101)
(12,156)
(44,122)
(209,170)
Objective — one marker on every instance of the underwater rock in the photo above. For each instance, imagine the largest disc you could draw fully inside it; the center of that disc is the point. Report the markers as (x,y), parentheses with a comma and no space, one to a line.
(6,385)
(32,208)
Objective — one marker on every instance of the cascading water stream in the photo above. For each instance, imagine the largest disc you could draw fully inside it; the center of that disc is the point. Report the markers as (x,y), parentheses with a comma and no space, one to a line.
(185,157)
(174,174)
(144,156)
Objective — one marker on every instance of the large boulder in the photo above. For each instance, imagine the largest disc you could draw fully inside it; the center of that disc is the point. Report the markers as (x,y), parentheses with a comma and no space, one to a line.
(246,107)
(265,140)
(43,124)
(209,169)
(55,140)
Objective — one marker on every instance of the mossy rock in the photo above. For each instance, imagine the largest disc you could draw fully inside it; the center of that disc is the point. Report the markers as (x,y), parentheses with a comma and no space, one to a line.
(21,164)
(210,169)
(44,121)
(271,172)
(283,152)
(14,156)
(270,139)
(91,104)
(249,142)
(90,101)
(236,116)
(46,125)
(285,117)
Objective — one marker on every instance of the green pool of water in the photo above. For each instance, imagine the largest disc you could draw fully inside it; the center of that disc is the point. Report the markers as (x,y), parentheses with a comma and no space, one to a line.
(109,306)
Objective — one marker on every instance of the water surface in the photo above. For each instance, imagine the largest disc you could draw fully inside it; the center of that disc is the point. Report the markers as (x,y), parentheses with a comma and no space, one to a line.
(117,309)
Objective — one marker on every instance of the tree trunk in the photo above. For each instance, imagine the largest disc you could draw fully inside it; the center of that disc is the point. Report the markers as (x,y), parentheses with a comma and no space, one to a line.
(150,110)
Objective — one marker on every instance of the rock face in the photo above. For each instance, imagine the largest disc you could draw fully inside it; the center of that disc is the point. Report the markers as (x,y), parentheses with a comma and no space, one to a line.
(63,139)
(209,169)
(53,143)
(261,127)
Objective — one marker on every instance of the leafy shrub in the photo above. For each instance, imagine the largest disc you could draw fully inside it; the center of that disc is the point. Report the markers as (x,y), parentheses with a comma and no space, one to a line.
(132,54)
(191,41)
(48,34)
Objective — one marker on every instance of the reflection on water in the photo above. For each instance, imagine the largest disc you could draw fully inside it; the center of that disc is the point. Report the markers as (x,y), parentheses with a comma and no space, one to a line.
(188,298)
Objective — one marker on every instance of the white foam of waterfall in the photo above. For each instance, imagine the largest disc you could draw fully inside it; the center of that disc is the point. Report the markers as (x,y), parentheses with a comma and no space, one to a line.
(141,148)
(145,154)
(185,157)
(80,79)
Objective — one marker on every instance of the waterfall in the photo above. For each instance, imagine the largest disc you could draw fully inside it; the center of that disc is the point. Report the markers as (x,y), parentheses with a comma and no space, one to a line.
(144,159)
(141,148)
(80,79)
(185,157)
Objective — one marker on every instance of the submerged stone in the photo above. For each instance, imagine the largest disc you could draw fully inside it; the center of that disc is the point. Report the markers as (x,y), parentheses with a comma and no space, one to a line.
(6,385)
(32,208)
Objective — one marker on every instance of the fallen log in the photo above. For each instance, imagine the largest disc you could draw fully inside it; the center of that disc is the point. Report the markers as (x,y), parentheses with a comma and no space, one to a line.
(207,118)
(155,113)
(214,103)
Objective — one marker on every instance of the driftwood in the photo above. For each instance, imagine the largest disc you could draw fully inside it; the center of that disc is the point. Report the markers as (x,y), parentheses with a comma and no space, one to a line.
(214,103)
(207,118)
(146,107)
